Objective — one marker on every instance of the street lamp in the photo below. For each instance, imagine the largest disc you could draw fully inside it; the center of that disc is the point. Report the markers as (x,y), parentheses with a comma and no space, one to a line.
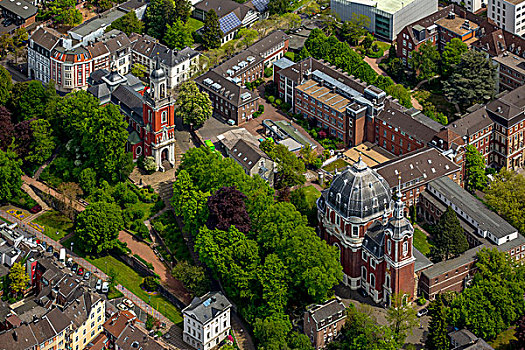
(72,246)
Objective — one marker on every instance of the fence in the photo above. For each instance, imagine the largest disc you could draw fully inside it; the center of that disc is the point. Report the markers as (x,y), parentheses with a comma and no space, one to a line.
(88,267)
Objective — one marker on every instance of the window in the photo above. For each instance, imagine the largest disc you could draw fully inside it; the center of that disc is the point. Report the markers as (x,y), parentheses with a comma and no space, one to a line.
(363,273)
(405,247)
(372,263)
(372,280)
(363,255)
(164,117)
(389,246)
(355,231)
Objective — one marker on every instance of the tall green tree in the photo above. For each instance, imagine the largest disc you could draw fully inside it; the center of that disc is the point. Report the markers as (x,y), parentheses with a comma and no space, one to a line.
(475,169)
(401,317)
(7,128)
(65,12)
(473,80)
(451,55)
(178,35)
(98,226)
(303,54)
(182,10)
(506,195)
(355,28)
(129,23)
(437,338)
(43,142)
(211,31)
(272,331)
(192,105)
(449,237)
(158,15)
(193,277)
(189,203)
(290,169)
(10,175)
(278,7)
(5,85)
(18,278)
(28,100)
(425,61)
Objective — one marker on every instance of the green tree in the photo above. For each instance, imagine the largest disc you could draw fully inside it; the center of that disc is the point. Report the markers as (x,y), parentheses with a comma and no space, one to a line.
(473,80)
(401,317)
(437,338)
(10,175)
(189,203)
(19,38)
(425,60)
(278,7)
(98,226)
(211,31)
(193,277)
(449,238)
(182,10)
(5,85)
(303,54)
(274,281)
(158,15)
(178,35)
(506,194)
(290,169)
(129,23)
(354,29)
(18,278)
(248,36)
(65,12)
(6,43)
(401,93)
(192,105)
(272,331)
(27,100)
(150,283)
(139,70)
(43,142)
(7,128)
(88,180)
(474,169)
(367,41)
(451,55)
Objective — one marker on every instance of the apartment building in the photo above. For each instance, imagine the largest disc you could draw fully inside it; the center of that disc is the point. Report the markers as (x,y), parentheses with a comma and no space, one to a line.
(496,129)
(17,14)
(323,322)
(206,321)
(508,15)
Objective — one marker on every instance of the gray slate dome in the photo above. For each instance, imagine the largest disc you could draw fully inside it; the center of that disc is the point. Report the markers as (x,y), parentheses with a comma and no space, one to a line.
(359,192)
(158,72)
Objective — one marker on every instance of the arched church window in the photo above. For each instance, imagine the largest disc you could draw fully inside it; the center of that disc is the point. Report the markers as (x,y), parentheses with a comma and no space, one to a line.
(405,247)
(339,252)
(164,117)
(363,273)
(372,280)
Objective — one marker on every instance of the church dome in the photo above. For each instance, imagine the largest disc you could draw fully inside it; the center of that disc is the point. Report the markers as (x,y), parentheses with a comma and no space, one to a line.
(359,192)
(158,72)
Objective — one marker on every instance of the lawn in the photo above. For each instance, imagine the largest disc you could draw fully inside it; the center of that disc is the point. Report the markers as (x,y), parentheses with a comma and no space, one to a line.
(421,242)
(131,280)
(339,164)
(194,24)
(382,45)
(169,230)
(504,339)
(5,220)
(53,222)
(312,194)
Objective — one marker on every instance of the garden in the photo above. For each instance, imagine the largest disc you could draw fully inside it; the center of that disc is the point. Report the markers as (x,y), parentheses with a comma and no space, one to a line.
(54,224)
(166,226)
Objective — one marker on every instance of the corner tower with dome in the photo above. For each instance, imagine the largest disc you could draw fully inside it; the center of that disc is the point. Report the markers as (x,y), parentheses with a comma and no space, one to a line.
(359,216)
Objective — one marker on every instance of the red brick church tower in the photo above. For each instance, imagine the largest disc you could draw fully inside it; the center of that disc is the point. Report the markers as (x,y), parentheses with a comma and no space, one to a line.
(159,120)
(358,216)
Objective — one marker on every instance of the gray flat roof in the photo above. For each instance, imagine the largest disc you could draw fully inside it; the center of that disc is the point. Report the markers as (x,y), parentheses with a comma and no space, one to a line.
(95,23)
(486,218)
(422,262)
(19,7)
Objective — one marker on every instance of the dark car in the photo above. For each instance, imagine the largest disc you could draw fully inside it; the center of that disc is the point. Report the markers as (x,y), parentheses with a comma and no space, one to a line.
(7,23)
(80,271)
(362,292)
(74,267)
(56,255)
(36,209)
(49,249)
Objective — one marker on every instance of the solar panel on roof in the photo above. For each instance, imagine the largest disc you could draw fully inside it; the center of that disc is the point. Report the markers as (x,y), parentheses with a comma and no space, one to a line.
(229,22)
(260,5)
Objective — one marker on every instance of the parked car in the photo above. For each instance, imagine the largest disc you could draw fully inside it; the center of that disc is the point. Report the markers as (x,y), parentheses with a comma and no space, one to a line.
(36,209)
(231,122)
(128,303)
(422,312)
(69,262)
(56,255)
(74,268)
(98,285)
(87,275)
(80,271)
(122,306)
(49,249)
(105,287)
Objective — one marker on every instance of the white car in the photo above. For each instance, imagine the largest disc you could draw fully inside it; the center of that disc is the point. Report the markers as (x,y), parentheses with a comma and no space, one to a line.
(128,303)
(422,312)
(105,287)
(98,285)
(122,306)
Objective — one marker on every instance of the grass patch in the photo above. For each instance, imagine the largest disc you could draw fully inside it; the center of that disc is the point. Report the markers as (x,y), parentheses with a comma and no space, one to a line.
(311,194)
(338,163)
(382,45)
(5,220)
(131,280)
(168,229)
(421,242)
(504,340)
(194,24)
(113,293)
(53,222)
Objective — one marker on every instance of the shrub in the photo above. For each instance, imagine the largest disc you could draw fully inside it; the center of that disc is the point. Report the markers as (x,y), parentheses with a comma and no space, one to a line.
(268,72)
(421,301)
(375,54)
(271,99)
(140,228)
(148,264)
(256,114)
(290,55)
(285,106)
(261,109)
(248,85)
(278,102)
(150,284)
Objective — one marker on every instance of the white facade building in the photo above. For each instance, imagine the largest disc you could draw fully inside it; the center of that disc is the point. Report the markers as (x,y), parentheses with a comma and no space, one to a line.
(41,44)
(508,15)
(207,321)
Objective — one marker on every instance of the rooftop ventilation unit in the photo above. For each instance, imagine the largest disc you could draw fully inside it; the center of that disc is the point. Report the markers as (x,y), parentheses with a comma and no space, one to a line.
(245,96)
(250,59)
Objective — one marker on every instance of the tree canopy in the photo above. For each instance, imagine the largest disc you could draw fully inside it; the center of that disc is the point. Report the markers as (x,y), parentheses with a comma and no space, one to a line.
(448,236)
(227,208)
(10,175)
(474,169)
(211,31)
(425,60)
(437,337)
(98,226)
(355,28)
(65,12)
(129,23)
(158,15)
(473,80)
(401,317)
(178,35)
(192,105)
(506,195)
(290,168)
(451,55)
(5,85)
(18,278)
